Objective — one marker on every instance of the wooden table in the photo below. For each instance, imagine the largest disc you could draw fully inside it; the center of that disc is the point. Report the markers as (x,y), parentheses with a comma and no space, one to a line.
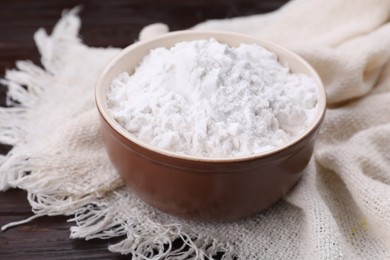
(104,23)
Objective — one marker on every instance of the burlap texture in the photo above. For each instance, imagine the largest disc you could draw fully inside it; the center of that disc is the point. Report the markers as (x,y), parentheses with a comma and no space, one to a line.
(339,210)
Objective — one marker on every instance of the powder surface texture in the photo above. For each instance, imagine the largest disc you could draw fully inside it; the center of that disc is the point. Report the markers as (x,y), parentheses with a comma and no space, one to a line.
(207,99)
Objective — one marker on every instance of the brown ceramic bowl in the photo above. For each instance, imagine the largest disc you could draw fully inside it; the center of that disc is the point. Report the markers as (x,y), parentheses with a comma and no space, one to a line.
(204,188)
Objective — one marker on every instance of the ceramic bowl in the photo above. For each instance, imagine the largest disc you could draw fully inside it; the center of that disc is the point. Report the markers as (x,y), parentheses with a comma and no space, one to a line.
(205,188)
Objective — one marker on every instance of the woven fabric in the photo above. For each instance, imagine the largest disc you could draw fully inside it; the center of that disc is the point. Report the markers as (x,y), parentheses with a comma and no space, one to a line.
(339,210)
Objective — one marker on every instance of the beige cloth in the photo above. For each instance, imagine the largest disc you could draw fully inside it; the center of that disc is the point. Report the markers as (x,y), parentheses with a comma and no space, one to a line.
(339,210)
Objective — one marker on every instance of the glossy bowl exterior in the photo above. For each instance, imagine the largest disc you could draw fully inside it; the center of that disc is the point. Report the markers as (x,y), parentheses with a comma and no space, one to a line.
(204,188)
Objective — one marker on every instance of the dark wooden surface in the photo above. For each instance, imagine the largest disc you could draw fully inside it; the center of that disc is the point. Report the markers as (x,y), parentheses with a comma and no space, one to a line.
(104,23)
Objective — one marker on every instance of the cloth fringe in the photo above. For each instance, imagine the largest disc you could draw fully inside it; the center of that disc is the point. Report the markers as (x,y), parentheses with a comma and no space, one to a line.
(145,239)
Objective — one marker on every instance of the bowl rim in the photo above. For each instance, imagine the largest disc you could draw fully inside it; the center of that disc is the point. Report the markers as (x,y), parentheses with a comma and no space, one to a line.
(101,104)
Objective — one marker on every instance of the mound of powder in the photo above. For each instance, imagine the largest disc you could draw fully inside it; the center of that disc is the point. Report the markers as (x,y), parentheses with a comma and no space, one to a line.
(204,98)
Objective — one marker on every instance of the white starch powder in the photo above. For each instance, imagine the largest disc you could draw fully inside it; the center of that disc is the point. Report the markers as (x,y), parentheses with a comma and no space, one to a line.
(204,98)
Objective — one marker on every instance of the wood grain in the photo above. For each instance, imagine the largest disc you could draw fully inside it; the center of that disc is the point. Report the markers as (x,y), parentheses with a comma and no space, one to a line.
(104,23)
